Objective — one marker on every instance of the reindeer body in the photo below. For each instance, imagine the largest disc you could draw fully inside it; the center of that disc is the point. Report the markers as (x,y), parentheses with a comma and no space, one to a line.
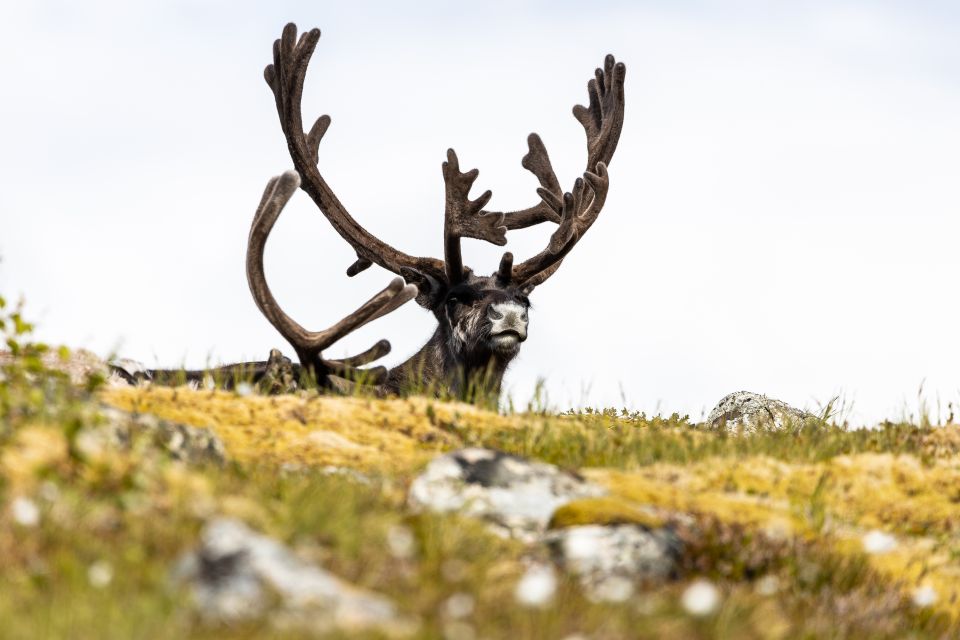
(482,320)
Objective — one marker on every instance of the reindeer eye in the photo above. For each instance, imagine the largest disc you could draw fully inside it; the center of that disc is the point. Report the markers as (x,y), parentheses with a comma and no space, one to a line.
(462,295)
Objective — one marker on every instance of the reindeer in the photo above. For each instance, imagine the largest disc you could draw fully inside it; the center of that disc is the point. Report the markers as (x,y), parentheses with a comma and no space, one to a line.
(481,320)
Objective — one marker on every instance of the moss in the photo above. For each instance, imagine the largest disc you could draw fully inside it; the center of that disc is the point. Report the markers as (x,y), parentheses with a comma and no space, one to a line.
(607,511)
(311,430)
(837,501)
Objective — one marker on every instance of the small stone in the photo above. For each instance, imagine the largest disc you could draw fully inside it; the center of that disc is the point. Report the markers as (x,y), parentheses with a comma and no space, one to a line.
(100,574)
(876,542)
(25,512)
(238,575)
(244,389)
(596,553)
(701,598)
(537,586)
(925,596)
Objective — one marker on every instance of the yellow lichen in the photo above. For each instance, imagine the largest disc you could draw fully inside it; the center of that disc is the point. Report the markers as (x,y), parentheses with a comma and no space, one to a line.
(362,433)
(604,510)
(841,499)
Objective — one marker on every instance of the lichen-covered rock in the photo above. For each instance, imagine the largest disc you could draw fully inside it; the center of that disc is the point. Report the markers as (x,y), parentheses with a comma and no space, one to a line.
(610,559)
(746,412)
(183,442)
(516,495)
(237,574)
(78,364)
(280,376)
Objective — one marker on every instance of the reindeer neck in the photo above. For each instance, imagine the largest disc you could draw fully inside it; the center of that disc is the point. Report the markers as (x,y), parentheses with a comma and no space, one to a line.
(436,368)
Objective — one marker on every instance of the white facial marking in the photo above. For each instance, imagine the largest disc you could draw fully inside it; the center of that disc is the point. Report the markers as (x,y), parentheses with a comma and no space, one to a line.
(513,317)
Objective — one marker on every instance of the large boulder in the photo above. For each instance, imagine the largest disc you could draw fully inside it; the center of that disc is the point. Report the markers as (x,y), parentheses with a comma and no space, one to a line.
(746,412)
(517,496)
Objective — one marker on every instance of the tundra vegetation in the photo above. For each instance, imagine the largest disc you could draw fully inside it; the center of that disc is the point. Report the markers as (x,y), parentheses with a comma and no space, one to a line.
(248,504)
(816,530)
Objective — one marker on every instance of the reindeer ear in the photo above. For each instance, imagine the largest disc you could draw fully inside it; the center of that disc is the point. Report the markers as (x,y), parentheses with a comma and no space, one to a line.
(528,289)
(429,289)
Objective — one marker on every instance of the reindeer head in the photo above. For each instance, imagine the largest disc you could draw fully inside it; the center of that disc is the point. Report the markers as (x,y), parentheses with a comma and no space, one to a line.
(481,318)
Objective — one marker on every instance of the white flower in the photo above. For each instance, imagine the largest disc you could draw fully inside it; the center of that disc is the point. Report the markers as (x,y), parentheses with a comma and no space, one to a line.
(879,542)
(100,574)
(400,542)
(458,631)
(537,586)
(701,598)
(925,596)
(25,512)
(767,585)
(49,491)
(459,605)
(611,589)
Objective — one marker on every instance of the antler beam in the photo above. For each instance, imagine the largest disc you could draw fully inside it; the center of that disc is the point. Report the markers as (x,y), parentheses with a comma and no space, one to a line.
(285,77)
(309,344)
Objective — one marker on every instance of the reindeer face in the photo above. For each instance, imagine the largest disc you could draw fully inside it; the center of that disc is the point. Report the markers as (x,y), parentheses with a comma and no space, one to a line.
(486,319)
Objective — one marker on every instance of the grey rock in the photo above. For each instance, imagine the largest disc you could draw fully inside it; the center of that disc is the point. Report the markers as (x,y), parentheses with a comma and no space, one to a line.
(746,412)
(79,364)
(608,560)
(183,442)
(517,496)
(237,574)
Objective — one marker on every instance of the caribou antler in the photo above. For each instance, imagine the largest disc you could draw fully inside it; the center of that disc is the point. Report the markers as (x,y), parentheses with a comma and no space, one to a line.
(309,344)
(285,77)
(602,121)
(576,211)
(465,218)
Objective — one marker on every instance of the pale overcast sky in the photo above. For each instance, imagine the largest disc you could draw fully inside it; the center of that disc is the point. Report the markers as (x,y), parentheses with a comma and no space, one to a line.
(783,217)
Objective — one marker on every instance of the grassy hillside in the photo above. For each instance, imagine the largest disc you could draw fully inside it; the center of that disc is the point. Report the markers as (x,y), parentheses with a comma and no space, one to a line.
(814,532)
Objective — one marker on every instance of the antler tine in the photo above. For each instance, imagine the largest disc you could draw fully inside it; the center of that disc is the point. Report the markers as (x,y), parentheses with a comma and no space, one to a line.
(375,352)
(349,367)
(464,218)
(285,76)
(578,212)
(602,121)
(307,344)
(386,300)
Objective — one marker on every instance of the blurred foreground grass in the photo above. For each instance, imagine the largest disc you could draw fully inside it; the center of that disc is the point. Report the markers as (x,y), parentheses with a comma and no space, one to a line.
(786,525)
